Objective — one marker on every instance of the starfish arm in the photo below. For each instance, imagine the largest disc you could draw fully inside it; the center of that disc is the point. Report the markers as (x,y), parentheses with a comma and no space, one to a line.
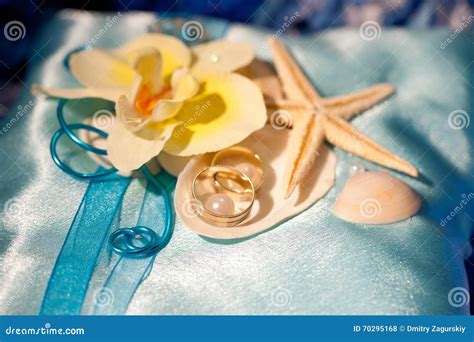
(284,104)
(339,133)
(295,84)
(305,139)
(348,106)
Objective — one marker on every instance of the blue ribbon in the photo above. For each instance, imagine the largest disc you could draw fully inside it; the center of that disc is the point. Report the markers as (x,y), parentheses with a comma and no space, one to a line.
(129,273)
(98,214)
(77,259)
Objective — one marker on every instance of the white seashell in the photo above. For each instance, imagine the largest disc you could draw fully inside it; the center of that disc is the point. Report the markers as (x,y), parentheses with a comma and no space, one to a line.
(270,208)
(376,197)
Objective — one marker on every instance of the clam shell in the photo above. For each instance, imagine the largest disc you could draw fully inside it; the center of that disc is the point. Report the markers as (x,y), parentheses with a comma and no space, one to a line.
(376,197)
(270,207)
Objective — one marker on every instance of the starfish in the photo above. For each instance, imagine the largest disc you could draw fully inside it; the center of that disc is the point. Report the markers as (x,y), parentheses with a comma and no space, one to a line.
(316,119)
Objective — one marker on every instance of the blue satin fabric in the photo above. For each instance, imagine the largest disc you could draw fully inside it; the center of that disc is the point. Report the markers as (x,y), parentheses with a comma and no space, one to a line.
(311,264)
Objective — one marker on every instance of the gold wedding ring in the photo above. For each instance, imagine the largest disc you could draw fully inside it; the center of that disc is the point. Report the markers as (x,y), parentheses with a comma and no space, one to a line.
(243,159)
(225,195)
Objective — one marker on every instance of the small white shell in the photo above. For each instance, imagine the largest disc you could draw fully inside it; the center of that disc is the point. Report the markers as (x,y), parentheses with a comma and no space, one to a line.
(270,207)
(376,197)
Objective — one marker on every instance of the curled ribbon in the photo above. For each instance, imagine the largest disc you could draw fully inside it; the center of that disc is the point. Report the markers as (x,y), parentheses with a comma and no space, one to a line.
(128,249)
(73,270)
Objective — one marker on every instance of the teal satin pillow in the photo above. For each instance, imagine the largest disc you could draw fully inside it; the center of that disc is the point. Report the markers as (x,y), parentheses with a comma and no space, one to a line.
(312,264)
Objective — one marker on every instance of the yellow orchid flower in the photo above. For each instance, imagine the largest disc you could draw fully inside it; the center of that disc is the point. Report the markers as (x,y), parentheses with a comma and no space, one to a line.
(169,97)
(108,74)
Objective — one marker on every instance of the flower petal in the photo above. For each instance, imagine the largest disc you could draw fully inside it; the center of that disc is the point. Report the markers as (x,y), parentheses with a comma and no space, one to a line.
(183,86)
(174,52)
(221,55)
(227,110)
(149,87)
(111,94)
(128,151)
(172,164)
(148,63)
(128,115)
(96,68)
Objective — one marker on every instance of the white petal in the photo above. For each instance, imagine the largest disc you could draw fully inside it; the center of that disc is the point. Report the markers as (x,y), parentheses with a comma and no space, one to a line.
(97,68)
(128,151)
(174,52)
(111,94)
(128,114)
(222,56)
(172,164)
(148,63)
(184,86)
(228,109)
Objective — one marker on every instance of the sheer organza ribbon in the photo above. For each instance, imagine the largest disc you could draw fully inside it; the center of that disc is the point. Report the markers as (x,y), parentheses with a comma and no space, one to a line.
(94,229)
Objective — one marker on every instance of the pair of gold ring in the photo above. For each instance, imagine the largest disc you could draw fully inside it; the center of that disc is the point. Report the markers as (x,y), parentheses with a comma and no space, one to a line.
(225,190)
